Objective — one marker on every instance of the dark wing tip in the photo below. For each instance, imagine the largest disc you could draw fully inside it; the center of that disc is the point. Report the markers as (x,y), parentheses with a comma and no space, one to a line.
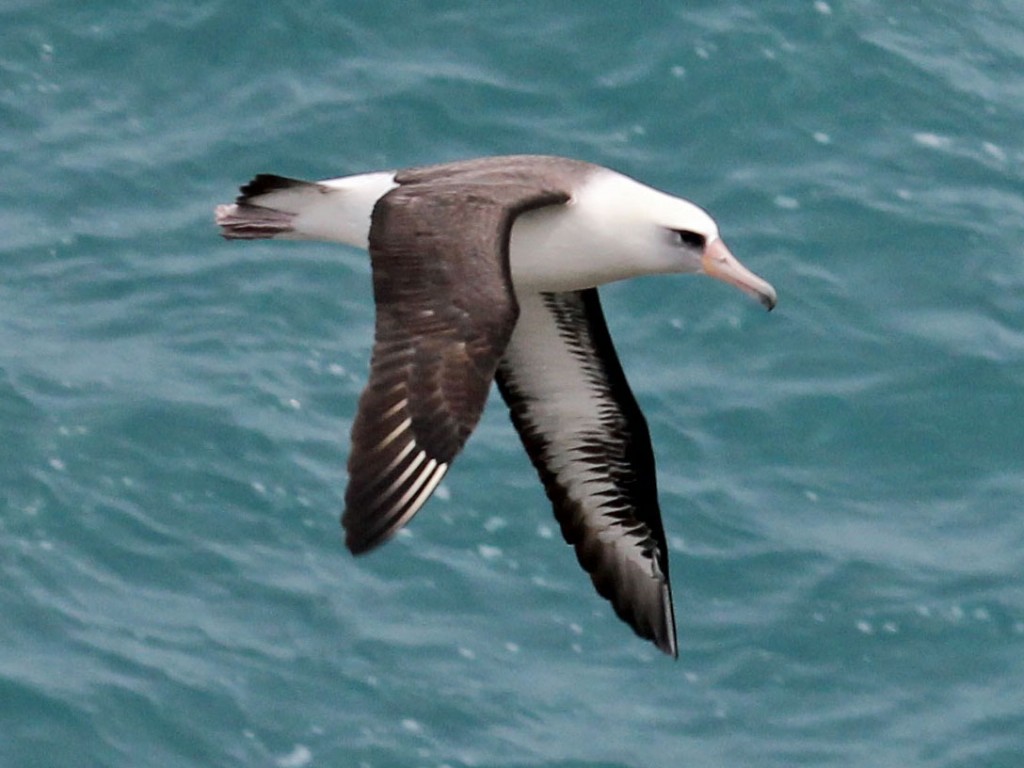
(366,531)
(640,596)
(357,542)
(667,641)
(658,625)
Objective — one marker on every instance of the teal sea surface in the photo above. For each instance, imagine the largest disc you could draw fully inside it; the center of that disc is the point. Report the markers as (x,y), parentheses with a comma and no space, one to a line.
(842,480)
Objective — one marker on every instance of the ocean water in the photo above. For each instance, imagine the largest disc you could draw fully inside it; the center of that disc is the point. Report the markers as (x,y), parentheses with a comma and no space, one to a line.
(842,479)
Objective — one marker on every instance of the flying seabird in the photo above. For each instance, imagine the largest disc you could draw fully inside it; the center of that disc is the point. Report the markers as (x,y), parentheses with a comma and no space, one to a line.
(487,270)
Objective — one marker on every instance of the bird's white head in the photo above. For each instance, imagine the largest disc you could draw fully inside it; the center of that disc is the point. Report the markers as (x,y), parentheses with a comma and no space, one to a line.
(685,237)
(615,228)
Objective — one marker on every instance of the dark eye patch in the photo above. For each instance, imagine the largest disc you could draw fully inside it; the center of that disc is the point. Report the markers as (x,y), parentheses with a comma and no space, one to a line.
(692,239)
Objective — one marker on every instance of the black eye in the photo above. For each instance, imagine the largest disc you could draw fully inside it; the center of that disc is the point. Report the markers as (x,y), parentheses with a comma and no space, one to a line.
(692,239)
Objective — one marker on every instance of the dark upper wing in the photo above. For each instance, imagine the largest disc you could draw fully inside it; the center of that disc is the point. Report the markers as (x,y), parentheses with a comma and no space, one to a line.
(586,436)
(445,312)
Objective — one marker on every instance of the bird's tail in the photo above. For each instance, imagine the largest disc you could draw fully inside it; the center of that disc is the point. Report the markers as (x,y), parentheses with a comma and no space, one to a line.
(267,207)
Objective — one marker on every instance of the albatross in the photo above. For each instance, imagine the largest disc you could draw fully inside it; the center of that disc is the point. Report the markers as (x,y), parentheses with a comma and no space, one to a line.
(487,270)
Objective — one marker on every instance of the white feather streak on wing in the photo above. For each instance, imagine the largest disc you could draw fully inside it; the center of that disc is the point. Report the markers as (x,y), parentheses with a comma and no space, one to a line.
(393,464)
(399,512)
(428,487)
(391,436)
(424,476)
(415,484)
(398,406)
(400,480)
